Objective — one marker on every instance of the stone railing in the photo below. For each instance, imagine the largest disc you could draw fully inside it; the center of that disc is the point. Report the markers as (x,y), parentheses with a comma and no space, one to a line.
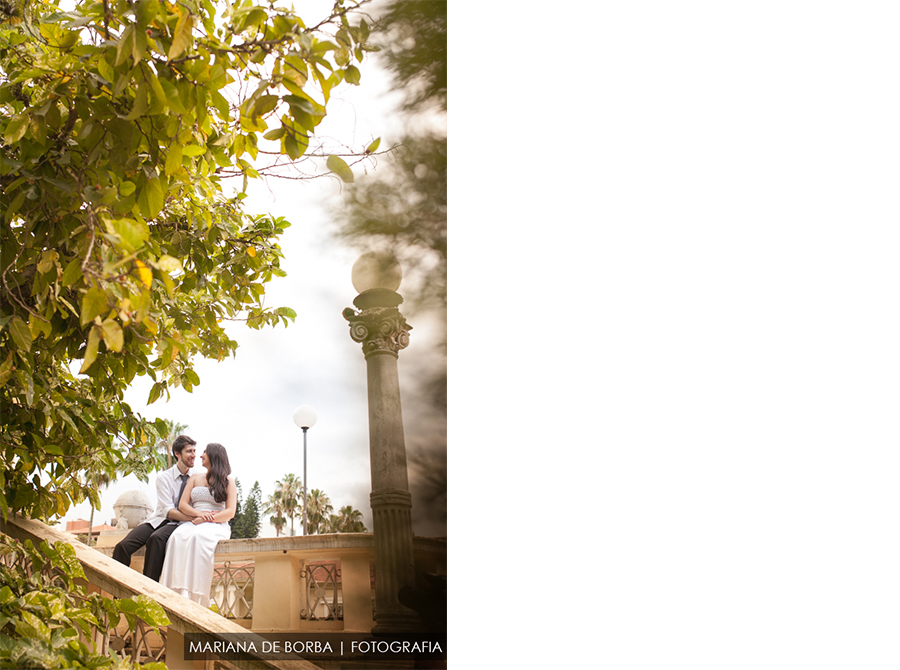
(307,584)
(117,580)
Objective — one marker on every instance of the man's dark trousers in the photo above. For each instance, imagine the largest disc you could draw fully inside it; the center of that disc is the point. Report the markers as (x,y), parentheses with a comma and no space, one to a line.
(154,538)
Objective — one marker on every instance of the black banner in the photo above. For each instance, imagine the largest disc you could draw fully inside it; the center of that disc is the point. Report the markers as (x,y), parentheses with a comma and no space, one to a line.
(425,647)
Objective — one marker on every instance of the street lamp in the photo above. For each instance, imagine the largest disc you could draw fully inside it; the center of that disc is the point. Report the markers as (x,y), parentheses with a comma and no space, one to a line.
(305,418)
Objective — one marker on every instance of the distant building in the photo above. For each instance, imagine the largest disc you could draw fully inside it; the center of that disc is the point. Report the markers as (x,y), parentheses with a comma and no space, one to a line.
(80,527)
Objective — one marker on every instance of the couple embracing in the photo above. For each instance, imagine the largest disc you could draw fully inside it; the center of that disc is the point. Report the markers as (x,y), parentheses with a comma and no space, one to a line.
(192,515)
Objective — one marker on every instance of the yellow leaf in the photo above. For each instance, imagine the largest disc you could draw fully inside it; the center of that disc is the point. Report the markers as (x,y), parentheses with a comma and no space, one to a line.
(113,335)
(145,274)
(251,252)
(182,37)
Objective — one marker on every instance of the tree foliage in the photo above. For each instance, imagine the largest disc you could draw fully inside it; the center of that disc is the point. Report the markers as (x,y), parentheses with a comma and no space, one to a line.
(275,508)
(319,509)
(47,618)
(289,490)
(246,522)
(121,252)
(347,520)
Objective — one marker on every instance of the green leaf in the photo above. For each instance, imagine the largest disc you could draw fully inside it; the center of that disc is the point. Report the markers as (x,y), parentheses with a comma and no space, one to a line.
(6,369)
(146,11)
(286,311)
(141,102)
(39,326)
(132,234)
(151,198)
(29,626)
(144,608)
(337,165)
(292,147)
(173,159)
(72,273)
(126,44)
(48,261)
(16,128)
(374,146)
(93,304)
(21,333)
(193,150)
(15,205)
(264,105)
(351,74)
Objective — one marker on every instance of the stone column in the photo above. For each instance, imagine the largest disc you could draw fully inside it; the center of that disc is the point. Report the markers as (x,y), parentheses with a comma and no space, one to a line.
(382,330)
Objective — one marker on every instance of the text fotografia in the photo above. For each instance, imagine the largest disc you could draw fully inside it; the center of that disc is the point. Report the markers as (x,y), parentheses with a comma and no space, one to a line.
(315,647)
(321,646)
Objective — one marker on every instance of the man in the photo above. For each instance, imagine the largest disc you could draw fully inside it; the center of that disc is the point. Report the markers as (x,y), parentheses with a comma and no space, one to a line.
(155,531)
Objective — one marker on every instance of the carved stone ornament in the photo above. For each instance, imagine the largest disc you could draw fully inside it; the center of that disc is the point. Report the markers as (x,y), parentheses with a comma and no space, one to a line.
(379,329)
(132,508)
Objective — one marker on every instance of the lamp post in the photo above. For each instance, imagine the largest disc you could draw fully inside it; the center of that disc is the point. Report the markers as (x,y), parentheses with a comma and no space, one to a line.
(305,418)
(382,330)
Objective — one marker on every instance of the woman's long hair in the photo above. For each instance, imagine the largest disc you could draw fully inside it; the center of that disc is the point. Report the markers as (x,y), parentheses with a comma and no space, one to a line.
(219,469)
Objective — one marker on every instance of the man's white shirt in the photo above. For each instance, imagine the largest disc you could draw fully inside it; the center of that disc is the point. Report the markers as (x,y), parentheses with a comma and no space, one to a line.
(168,484)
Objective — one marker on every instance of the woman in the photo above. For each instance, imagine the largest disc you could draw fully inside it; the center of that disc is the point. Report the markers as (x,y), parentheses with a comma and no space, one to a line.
(211,498)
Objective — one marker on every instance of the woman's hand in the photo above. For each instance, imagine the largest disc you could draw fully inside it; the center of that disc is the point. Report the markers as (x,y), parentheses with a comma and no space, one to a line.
(197,520)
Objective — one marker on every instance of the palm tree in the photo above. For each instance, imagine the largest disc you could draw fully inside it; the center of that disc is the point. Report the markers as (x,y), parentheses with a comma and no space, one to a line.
(278,522)
(164,446)
(319,507)
(349,520)
(291,491)
(275,507)
(96,480)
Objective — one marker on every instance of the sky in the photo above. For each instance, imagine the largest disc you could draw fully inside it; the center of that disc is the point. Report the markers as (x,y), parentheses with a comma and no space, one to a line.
(246,402)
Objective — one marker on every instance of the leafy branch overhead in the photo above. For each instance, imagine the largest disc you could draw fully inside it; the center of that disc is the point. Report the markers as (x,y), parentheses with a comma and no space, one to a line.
(121,254)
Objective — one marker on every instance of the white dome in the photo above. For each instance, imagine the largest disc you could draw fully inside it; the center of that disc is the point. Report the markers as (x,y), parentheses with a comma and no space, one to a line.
(132,508)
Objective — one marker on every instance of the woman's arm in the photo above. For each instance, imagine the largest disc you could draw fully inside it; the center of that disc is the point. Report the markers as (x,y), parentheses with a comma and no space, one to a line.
(216,517)
(230,503)
(184,505)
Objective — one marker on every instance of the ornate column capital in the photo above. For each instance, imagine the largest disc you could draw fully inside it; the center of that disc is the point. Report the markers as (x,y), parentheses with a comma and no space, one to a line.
(380,330)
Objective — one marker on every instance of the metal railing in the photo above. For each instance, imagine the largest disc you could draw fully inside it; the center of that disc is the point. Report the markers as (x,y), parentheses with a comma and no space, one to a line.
(232,589)
(322,598)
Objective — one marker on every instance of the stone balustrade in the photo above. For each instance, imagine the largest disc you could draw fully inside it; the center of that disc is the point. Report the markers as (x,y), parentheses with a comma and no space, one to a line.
(316,583)
(304,584)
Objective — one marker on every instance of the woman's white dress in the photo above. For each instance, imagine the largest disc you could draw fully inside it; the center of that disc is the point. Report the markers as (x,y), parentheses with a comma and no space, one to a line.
(190,551)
